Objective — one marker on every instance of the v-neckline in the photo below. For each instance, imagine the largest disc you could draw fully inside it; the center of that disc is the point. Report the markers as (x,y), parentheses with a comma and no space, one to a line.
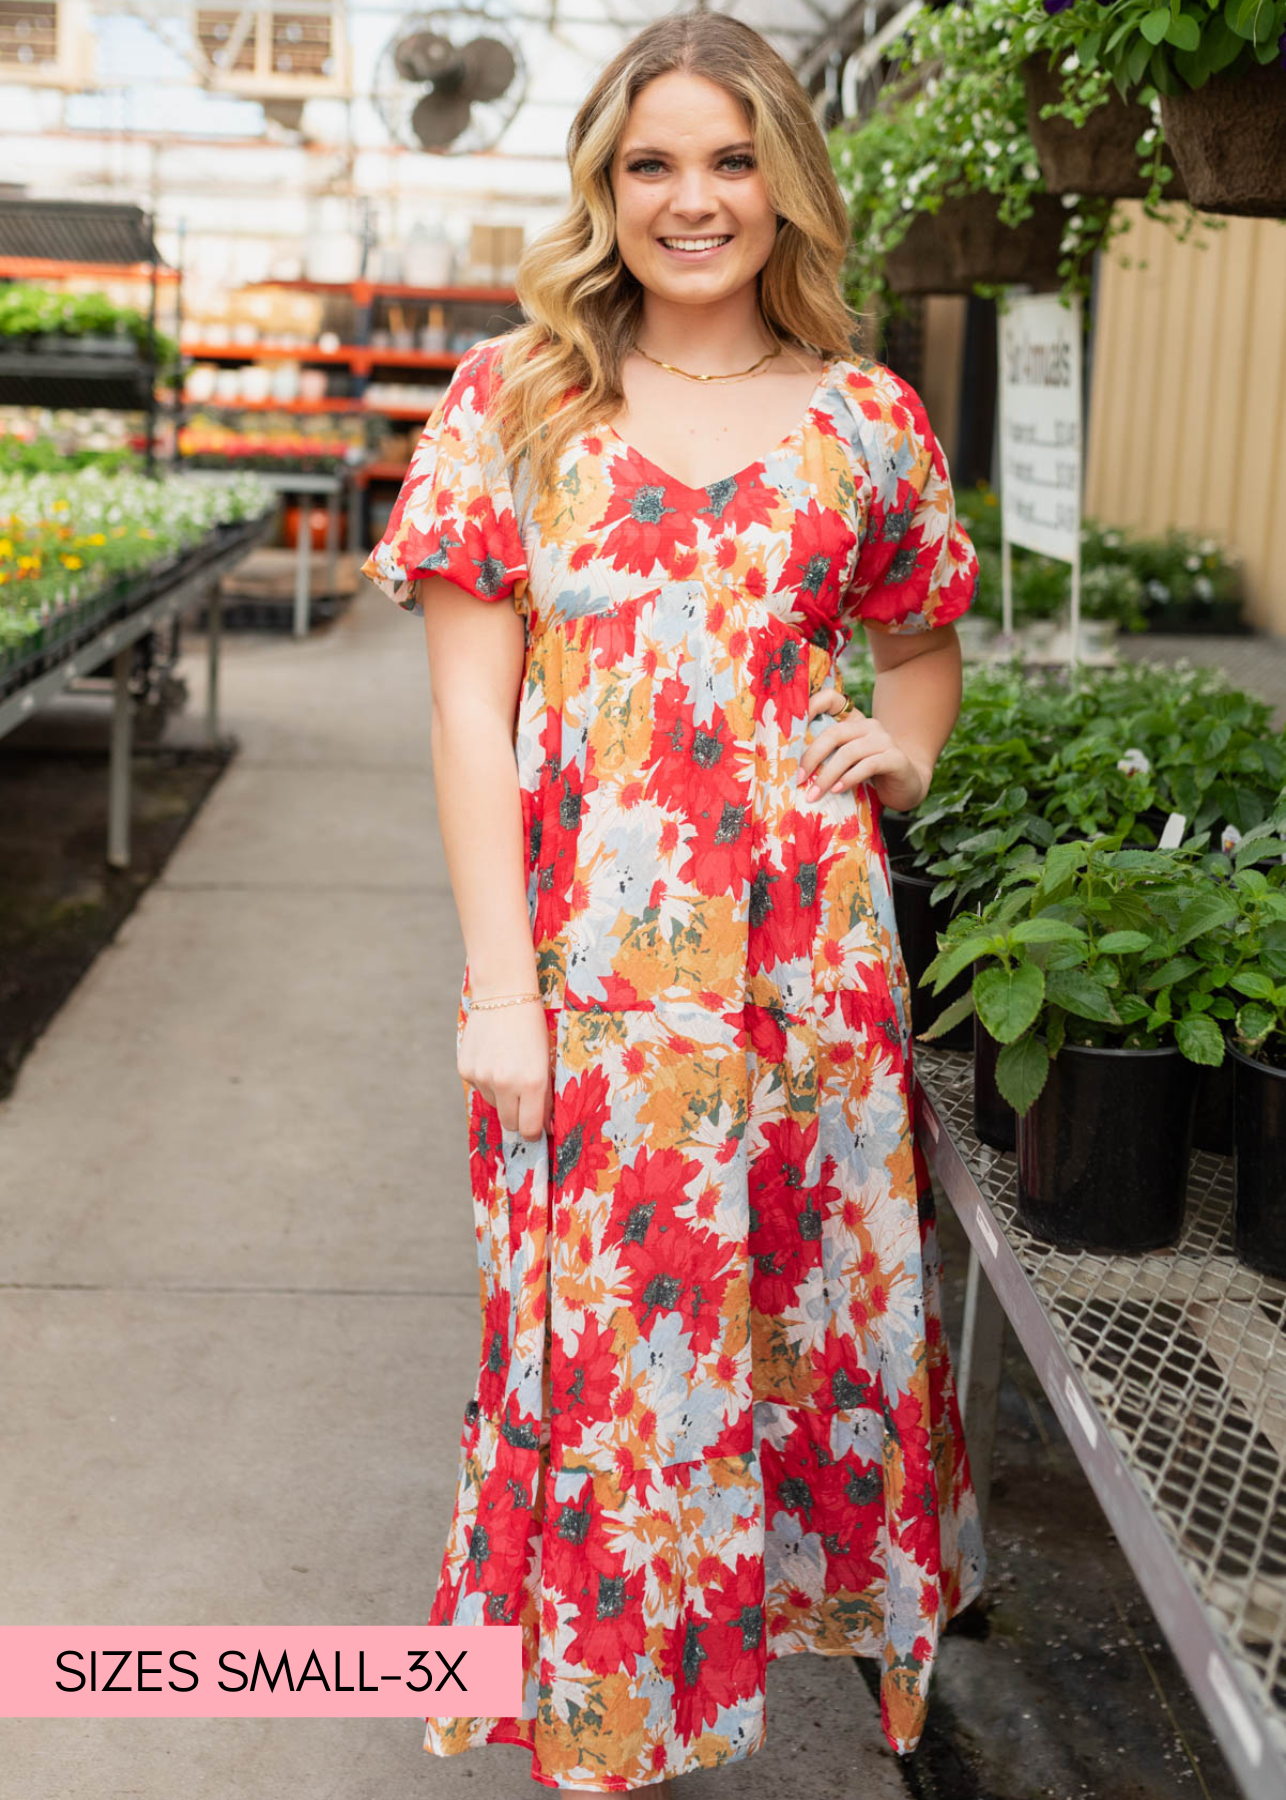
(718,481)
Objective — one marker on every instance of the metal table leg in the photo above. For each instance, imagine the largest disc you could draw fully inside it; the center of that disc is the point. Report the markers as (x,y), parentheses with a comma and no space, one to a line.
(214,622)
(118,777)
(355,529)
(982,1347)
(303,569)
(332,543)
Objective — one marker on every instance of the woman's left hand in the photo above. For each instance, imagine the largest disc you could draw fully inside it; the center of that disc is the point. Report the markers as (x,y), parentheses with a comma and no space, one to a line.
(857,749)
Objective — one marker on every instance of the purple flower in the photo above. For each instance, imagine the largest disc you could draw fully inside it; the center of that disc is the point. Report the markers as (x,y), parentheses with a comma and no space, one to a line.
(1057,6)
(1281,45)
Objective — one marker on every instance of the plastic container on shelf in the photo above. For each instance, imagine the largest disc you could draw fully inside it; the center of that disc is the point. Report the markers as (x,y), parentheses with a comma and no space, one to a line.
(285,381)
(433,337)
(427,260)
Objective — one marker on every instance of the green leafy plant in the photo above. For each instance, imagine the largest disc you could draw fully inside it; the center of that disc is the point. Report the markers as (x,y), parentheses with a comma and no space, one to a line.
(1093,947)
(1243,963)
(1172,46)
(954,124)
(32,311)
(1035,759)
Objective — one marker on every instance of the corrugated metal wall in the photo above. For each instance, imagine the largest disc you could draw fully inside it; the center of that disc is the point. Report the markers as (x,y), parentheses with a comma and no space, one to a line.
(1188,393)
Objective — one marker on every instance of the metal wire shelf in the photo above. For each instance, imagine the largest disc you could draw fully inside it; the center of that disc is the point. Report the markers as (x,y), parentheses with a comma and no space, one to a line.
(1168,1370)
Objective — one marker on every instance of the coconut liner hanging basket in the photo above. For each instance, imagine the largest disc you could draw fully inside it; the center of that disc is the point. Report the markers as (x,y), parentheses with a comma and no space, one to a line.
(1098,157)
(1229,141)
(965,242)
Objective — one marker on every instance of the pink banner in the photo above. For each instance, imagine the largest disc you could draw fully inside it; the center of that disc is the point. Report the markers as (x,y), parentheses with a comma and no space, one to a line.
(259,1671)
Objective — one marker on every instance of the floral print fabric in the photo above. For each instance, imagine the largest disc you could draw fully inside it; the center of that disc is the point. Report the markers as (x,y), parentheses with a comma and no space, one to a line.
(715,1420)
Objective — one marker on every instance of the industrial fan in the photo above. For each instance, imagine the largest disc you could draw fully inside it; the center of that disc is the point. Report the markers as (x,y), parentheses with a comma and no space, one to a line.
(450,82)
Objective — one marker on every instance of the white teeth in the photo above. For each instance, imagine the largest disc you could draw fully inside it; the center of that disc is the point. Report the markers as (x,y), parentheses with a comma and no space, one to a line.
(711,243)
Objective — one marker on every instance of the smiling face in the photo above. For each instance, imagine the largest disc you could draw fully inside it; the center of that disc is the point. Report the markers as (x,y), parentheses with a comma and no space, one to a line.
(693,219)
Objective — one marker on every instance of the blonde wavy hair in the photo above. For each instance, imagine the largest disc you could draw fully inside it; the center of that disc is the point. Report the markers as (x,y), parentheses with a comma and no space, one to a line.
(583,305)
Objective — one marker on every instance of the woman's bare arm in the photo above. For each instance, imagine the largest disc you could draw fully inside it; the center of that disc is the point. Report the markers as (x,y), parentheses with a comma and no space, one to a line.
(476,652)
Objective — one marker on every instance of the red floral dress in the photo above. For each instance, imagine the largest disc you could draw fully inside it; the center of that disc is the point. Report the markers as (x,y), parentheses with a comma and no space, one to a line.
(715,1420)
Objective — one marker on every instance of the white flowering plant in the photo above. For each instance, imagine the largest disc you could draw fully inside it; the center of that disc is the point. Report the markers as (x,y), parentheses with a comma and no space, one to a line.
(954,122)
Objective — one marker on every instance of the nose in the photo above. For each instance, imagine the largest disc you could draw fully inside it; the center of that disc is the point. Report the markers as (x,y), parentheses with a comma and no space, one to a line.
(692,196)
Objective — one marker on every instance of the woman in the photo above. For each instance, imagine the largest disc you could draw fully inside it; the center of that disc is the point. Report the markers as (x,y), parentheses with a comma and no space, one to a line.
(715,1421)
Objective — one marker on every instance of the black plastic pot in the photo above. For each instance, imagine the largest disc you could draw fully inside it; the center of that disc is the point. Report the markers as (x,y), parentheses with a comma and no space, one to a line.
(894,827)
(1259,1164)
(918,928)
(994,1119)
(1103,1151)
(1212,1119)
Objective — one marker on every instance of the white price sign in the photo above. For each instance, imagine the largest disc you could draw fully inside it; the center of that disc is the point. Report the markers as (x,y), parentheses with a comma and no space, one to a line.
(1041,434)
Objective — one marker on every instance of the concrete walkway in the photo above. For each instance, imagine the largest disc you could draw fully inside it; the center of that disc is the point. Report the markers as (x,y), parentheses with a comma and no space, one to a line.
(238,1319)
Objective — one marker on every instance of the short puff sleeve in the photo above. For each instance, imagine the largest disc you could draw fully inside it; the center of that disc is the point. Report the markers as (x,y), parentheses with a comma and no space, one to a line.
(916,565)
(455,513)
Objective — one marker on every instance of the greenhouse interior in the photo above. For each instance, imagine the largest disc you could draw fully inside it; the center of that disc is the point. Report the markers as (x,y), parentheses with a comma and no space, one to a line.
(1021,1488)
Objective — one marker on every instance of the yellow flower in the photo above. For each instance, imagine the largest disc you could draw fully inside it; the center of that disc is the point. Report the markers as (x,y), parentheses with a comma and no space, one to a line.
(95,537)
(28,562)
(990,500)
(71,562)
(6,547)
(145,533)
(4,576)
(60,506)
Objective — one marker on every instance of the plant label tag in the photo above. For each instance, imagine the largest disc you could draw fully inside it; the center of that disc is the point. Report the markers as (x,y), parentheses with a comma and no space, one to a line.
(1084,1417)
(1172,836)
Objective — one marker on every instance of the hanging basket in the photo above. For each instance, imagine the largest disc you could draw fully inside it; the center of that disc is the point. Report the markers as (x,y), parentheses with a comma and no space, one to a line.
(987,250)
(1229,141)
(1098,157)
(965,242)
(921,263)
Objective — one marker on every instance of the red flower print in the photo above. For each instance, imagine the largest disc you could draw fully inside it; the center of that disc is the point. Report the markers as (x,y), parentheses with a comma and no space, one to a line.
(581,1147)
(785,1239)
(610,1627)
(779,667)
(690,1646)
(719,851)
(671,1265)
(819,543)
(582,1386)
(735,1597)
(650,524)
(692,766)
(739,502)
(767,1035)
(495,1352)
(868,1010)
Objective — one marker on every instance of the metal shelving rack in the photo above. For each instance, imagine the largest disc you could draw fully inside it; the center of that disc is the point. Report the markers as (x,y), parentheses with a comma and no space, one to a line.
(62,237)
(161,597)
(1167,1371)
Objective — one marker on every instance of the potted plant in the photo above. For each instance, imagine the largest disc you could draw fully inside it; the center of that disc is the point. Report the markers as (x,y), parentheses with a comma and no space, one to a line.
(1088,138)
(1244,966)
(1258,1052)
(1217,69)
(1081,974)
(947,155)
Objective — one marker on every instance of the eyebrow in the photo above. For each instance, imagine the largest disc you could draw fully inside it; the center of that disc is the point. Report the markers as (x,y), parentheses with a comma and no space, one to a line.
(651,150)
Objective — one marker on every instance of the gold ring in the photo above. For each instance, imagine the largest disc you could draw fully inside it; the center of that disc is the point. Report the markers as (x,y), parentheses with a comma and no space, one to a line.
(846,708)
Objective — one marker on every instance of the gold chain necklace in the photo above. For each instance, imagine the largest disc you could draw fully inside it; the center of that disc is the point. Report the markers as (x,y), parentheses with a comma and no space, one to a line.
(738,375)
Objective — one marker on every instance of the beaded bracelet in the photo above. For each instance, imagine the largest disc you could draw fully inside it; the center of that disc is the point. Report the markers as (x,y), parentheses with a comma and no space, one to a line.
(507,1000)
